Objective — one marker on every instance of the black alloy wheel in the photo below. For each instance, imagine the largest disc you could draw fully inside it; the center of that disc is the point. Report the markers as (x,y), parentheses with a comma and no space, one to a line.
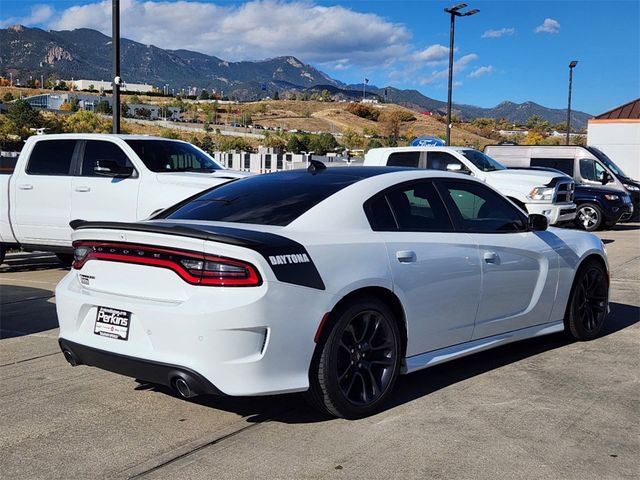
(589,303)
(358,362)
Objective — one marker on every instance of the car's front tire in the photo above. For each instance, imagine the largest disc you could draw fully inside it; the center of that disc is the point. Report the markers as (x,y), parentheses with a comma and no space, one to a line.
(358,361)
(589,217)
(589,302)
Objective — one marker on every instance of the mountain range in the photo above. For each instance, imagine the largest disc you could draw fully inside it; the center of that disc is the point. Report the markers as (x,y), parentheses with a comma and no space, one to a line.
(86,54)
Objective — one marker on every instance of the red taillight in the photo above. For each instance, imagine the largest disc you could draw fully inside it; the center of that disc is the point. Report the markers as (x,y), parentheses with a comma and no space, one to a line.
(193,267)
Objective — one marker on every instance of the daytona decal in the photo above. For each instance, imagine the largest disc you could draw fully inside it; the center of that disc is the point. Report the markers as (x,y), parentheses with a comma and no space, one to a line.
(288,259)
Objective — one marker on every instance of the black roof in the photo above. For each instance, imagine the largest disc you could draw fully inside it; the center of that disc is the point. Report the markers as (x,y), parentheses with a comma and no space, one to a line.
(330,174)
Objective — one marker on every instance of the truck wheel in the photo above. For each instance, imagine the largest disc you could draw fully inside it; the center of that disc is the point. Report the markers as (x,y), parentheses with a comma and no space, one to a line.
(65,259)
(589,217)
(3,250)
(358,362)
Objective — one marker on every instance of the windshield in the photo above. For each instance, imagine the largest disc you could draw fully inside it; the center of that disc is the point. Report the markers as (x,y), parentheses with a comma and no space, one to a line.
(169,156)
(600,155)
(480,160)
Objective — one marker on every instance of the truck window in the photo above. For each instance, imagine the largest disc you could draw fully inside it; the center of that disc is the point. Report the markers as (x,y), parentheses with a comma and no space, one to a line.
(404,159)
(591,170)
(96,150)
(7,165)
(565,165)
(440,160)
(51,157)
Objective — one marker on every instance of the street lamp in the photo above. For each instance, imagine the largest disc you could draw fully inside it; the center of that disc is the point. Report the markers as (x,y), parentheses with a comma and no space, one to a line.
(572,65)
(115,53)
(454,12)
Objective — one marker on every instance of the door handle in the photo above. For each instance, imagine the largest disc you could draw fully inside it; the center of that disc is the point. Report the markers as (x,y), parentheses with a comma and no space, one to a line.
(83,189)
(406,256)
(491,257)
(26,186)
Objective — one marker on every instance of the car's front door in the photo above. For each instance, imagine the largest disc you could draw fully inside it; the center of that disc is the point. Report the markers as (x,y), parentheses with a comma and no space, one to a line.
(436,271)
(95,197)
(519,267)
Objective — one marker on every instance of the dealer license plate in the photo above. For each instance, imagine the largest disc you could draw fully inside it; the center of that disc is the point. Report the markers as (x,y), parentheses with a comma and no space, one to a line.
(112,323)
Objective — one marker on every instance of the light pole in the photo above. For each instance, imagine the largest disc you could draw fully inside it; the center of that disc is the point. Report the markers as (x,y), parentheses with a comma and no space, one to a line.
(572,65)
(454,12)
(115,51)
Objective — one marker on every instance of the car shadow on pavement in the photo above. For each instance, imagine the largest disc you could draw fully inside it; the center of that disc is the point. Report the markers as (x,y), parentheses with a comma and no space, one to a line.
(25,310)
(30,262)
(293,409)
(625,226)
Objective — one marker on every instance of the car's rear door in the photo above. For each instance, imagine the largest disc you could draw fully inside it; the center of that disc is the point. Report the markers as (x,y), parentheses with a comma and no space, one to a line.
(95,197)
(519,267)
(436,271)
(41,206)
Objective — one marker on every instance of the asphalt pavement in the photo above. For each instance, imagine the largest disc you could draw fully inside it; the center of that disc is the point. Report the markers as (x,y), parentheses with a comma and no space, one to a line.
(546,408)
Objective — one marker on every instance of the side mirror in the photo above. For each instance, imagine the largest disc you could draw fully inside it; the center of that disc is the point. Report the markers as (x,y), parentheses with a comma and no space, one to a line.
(606,178)
(457,168)
(110,168)
(537,222)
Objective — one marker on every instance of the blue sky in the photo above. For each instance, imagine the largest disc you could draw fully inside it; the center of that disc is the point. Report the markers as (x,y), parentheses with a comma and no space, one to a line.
(517,50)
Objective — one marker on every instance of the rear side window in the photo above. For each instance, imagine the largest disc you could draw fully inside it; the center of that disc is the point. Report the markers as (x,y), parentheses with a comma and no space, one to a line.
(565,165)
(271,199)
(95,151)
(51,157)
(7,165)
(413,207)
(404,159)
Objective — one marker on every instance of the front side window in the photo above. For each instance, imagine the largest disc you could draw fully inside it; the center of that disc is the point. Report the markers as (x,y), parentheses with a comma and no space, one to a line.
(440,161)
(51,157)
(100,151)
(591,170)
(476,208)
(169,156)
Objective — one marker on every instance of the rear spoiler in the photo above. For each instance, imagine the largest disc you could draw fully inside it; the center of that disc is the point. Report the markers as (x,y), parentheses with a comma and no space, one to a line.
(289,260)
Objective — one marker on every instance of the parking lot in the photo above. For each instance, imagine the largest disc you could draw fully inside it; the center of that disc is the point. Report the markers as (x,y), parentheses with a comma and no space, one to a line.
(545,408)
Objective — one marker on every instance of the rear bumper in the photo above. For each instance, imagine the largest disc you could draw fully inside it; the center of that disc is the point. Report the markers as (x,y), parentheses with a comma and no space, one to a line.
(150,371)
(240,340)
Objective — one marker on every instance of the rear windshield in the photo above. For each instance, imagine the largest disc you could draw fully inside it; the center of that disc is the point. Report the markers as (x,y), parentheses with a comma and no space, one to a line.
(168,156)
(271,199)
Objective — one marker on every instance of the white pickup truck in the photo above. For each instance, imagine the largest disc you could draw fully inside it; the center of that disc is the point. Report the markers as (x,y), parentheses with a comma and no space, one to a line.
(545,193)
(60,178)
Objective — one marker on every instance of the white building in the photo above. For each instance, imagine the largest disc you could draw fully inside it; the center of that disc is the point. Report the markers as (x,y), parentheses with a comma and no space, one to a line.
(617,133)
(101,85)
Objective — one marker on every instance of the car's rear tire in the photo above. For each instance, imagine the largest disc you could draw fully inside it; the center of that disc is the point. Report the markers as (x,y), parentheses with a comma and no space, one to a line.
(65,259)
(589,217)
(358,361)
(589,302)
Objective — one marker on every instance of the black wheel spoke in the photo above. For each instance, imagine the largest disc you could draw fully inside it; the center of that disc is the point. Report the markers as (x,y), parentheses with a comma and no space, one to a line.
(366,357)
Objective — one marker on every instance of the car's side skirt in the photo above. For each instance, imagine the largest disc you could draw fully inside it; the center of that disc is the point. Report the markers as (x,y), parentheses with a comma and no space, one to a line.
(428,359)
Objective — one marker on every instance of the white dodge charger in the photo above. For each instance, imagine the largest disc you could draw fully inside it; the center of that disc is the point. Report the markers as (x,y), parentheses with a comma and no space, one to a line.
(331,281)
